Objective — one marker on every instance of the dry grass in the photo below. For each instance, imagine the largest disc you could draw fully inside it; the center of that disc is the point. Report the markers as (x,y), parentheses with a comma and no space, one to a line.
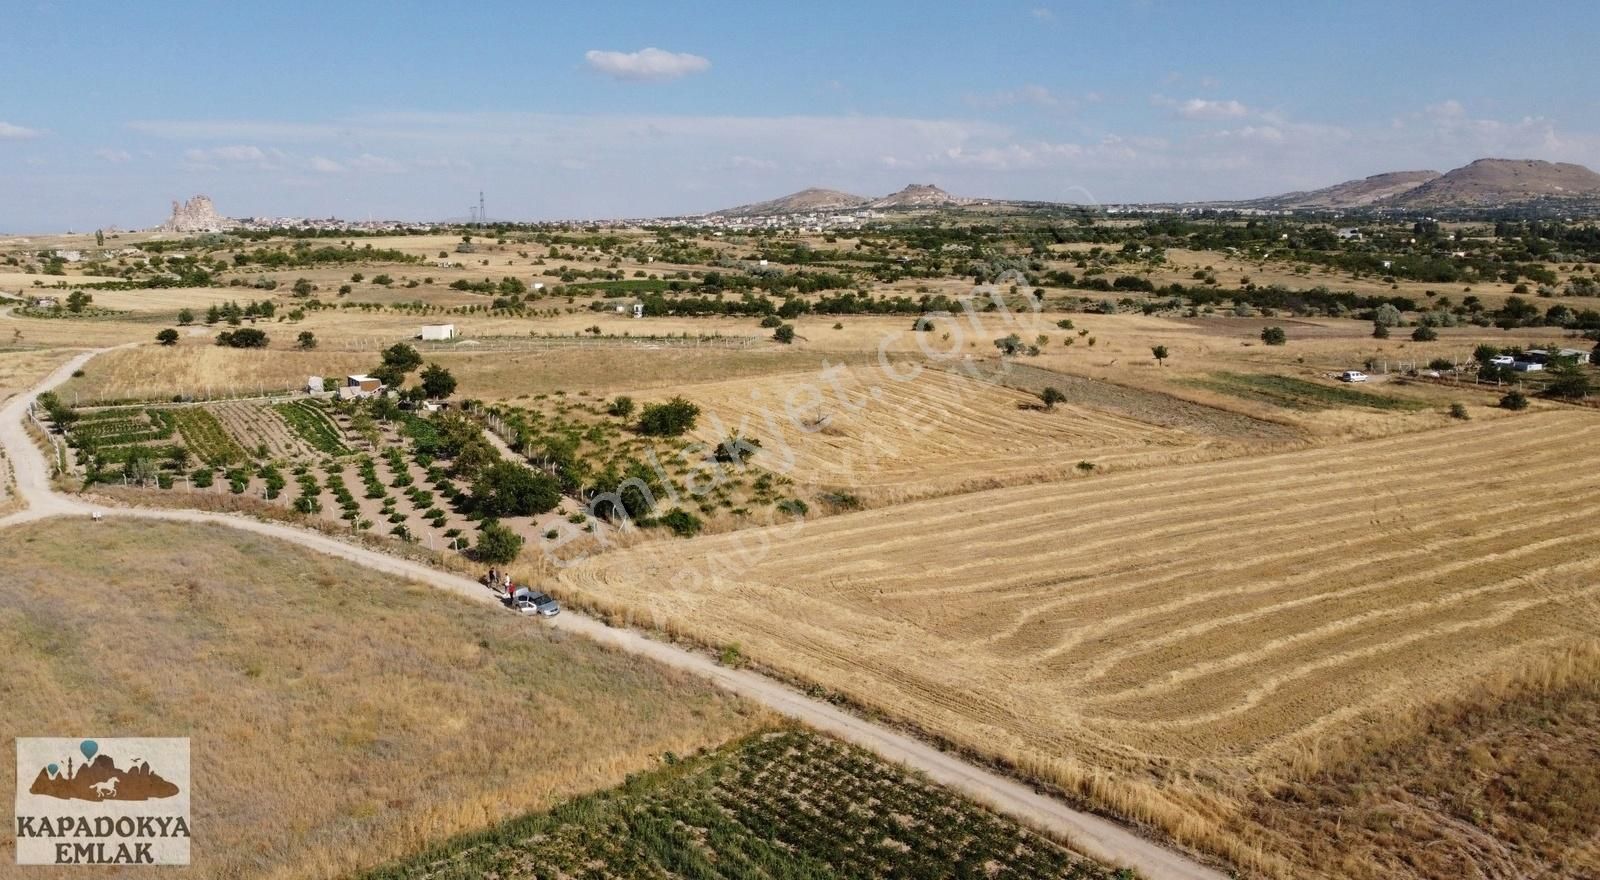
(1504,782)
(339,719)
(1153,640)
(159,373)
(861,430)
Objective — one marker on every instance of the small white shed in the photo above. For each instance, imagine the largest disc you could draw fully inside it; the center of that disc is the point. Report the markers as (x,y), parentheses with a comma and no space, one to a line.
(438,332)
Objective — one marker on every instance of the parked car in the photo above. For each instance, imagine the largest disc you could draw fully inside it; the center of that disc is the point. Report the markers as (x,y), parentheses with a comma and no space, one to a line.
(533,602)
(1352,376)
(1502,360)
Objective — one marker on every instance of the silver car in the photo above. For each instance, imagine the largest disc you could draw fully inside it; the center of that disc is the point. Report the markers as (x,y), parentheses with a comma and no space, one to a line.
(532,602)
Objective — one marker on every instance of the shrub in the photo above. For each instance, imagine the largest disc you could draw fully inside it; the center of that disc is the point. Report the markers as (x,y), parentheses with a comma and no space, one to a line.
(168,336)
(1051,396)
(1274,336)
(1424,334)
(244,337)
(682,523)
(621,407)
(772,321)
(1459,411)
(793,507)
(202,478)
(671,419)
(496,543)
(784,334)
(1514,400)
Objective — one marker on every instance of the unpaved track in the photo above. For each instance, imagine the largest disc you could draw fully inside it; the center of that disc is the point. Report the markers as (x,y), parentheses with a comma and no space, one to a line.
(1091,835)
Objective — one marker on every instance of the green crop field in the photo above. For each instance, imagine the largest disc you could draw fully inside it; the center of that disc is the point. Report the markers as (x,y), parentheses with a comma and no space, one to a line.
(787,805)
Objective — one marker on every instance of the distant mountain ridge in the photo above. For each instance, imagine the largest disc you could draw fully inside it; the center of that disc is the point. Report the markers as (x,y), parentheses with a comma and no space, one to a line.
(816,200)
(1485,183)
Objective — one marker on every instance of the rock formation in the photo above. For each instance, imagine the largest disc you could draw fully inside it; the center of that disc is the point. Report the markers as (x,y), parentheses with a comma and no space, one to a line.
(195,215)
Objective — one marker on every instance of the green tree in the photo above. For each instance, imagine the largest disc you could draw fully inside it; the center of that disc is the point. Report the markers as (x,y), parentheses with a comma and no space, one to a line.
(1514,400)
(244,337)
(168,336)
(1386,315)
(402,357)
(510,489)
(306,340)
(99,238)
(437,382)
(1051,396)
(671,419)
(1424,334)
(621,407)
(185,317)
(1010,345)
(213,314)
(1570,382)
(497,544)
(1160,353)
(784,334)
(1274,336)
(78,300)
(303,287)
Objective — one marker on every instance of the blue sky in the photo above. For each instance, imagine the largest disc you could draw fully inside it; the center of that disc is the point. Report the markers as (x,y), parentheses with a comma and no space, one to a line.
(110,110)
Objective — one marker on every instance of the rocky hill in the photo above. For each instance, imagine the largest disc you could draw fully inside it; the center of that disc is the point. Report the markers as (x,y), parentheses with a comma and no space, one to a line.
(1352,193)
(803,202)
(1496,182)
(918,195)
(1486,183)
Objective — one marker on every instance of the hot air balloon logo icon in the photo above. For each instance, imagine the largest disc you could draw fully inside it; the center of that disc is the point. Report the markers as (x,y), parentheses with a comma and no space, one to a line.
(98,777)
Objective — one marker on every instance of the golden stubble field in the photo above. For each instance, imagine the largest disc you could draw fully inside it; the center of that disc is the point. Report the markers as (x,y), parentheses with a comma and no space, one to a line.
(888,434)
(1161,641)
(339,719)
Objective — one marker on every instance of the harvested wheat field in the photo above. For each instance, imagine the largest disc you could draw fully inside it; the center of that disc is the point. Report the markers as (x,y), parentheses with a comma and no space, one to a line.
(339,718)
(1155,640)
(918,430)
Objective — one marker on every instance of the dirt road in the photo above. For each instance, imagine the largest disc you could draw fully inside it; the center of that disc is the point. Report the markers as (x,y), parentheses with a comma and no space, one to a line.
(1089,834)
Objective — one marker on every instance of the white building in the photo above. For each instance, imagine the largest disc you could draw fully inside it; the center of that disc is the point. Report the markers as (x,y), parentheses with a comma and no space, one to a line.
(438,332)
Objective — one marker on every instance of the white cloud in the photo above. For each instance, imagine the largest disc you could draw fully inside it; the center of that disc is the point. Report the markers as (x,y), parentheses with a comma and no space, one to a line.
(9,132)
(115,157)
(325,165)
(1034,95)
(377,164)
(234,153)
(1201,108)
(645,64)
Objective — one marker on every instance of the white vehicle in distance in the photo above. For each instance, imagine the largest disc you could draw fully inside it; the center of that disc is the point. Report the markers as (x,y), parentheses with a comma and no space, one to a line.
(1352,376)
(1502,360)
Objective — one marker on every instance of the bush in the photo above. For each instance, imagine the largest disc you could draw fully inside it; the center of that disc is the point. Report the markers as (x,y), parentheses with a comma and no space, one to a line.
(793,507)
(1514,400)
(1274,336)
(1570,382)
(202,478)
(1051,396)
(496,543)
(621,407)
(1424,334)
(168,336)
(784,334)
(671,419)
(1459,411)
(772,321)
(244,337)
(682,523)
(1380,331)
